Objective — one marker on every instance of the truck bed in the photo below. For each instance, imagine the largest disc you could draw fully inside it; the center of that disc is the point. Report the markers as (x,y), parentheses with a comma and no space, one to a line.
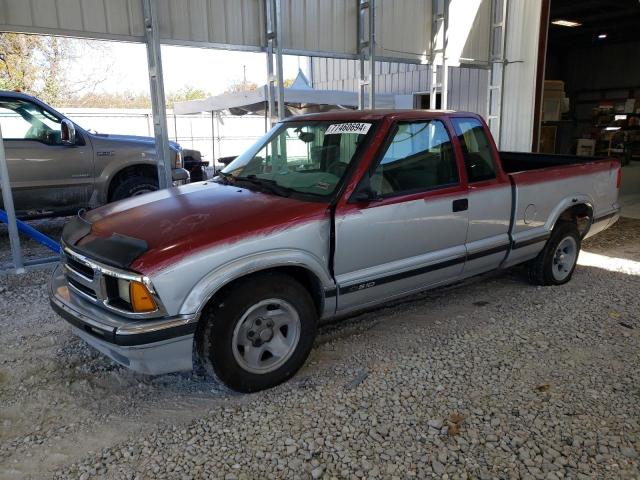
(545,185)
(513,162)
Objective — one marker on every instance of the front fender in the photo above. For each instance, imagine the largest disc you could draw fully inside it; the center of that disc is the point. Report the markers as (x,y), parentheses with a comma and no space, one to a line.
(211,283)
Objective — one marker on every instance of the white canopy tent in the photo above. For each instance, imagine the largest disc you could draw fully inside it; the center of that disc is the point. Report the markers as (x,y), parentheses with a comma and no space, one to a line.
(299,98)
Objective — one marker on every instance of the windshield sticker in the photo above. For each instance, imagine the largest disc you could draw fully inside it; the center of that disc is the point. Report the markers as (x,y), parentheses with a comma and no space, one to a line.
(338,128)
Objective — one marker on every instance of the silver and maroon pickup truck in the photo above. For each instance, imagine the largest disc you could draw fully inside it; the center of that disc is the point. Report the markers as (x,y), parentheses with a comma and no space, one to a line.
(326,214)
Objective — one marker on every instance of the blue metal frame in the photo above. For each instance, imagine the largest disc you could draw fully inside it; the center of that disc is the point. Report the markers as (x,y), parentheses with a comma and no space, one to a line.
(32,233)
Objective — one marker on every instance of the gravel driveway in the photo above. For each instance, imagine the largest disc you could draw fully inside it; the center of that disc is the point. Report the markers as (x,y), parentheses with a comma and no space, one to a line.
(492,378)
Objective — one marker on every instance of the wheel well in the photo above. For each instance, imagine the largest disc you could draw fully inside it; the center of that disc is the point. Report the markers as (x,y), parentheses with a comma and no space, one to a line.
(302,275)
(580,214)
(130,171)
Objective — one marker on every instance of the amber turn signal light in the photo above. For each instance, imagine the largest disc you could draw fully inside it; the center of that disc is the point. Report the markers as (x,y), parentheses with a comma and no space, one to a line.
(141,299)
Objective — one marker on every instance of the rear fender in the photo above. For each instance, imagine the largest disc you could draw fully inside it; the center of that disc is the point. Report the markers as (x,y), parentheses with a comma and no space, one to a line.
(566,204)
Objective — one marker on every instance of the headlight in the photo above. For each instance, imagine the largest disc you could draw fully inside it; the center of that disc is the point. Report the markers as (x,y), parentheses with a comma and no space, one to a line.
(137,295)
(178,159)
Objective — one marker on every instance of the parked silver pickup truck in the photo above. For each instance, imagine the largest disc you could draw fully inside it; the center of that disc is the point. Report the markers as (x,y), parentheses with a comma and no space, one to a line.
(326,214)
(57,168)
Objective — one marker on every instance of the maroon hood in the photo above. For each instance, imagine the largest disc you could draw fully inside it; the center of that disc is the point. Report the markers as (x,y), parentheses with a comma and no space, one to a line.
(179,221)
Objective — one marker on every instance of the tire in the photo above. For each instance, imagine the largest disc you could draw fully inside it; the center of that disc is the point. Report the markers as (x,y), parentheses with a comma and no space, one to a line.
(245,344)
(132,186)
(557,261)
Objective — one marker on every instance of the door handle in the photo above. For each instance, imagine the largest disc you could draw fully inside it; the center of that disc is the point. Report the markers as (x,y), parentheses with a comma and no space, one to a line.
(460,205)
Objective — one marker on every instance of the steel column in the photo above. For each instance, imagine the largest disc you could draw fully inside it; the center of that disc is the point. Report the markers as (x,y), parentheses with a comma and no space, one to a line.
(275,40)
(497,64)
(367,52)
(7,199)
(156,83)
(439,31)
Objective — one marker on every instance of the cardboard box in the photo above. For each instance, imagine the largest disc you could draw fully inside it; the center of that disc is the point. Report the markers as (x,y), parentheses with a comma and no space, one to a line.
(586,147)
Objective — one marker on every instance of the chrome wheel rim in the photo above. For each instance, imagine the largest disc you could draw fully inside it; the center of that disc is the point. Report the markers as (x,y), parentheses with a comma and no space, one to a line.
(266,336)
(564,258)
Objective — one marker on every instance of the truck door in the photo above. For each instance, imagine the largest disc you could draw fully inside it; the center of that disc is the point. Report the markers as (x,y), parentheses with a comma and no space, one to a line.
(412,234)
(46,176)
(489,198)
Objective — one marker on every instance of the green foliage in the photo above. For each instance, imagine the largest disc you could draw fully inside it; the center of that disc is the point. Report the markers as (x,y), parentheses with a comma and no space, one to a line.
(185,94)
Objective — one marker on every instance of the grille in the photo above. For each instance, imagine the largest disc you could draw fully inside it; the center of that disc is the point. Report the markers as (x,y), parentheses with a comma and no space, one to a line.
(82,288)
(82,277)
(79,267)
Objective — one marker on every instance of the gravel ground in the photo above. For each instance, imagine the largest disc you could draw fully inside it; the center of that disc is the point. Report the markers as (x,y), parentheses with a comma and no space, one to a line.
(493,378)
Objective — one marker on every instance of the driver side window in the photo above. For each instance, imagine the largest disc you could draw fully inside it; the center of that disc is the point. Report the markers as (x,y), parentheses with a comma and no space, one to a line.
(418,158)
(22,120)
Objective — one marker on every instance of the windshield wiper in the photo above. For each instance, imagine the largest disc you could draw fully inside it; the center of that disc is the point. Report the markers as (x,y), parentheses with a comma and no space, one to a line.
(225,178)
(267,184)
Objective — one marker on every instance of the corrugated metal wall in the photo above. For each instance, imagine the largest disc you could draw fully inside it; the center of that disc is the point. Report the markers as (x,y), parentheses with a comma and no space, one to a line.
(320,25)
(94,18)
(518,104)
(203,22)
(467,86)
(229,22)
(403,28)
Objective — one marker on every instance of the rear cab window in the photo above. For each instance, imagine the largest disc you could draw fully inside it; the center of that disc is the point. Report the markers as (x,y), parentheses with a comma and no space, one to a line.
(476,149)
(418,158)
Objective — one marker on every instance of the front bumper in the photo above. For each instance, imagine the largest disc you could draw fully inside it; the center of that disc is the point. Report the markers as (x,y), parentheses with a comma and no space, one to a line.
(180,176)
(148,346)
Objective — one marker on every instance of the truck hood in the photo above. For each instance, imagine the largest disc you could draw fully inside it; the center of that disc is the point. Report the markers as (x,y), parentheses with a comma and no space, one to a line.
(133,139)
(180,221)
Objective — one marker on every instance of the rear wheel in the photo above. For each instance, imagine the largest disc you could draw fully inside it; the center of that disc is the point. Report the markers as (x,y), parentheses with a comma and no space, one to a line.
(133,186)
(258,334)
(557,261)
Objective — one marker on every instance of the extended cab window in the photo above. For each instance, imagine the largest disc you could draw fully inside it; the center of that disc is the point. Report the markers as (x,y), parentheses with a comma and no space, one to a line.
(419,157)
(478,160)
(21,120)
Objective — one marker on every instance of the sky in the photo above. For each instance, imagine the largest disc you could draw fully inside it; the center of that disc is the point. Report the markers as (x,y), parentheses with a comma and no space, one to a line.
(206,69)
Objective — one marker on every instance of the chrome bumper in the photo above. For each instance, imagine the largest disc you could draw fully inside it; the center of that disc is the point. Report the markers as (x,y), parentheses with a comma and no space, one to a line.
(147,346)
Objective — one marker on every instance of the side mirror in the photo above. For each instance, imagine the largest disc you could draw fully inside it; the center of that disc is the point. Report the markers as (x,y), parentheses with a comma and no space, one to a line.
(364,193)
(67,132)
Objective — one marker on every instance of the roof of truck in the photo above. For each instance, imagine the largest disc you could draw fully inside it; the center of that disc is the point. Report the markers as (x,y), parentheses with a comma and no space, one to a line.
(363,115)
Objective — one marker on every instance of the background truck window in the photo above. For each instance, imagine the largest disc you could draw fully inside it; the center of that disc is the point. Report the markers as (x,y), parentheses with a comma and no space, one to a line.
(419,157)
(478,160)
(22,120)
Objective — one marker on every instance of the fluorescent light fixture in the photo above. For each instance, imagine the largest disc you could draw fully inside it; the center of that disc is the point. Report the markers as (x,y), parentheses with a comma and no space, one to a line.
(566,23)
(619,117)
(612,129)
(602,36)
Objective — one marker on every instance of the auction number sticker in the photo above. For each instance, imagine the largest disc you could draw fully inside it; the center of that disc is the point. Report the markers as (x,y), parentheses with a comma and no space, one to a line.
(337,128)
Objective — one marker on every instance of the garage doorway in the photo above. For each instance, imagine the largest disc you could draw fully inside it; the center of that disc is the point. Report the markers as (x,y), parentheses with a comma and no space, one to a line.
(589,97)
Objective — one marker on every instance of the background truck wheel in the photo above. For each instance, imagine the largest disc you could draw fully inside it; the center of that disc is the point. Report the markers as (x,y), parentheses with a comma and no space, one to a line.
(557,261)
(132,186)
(259,333)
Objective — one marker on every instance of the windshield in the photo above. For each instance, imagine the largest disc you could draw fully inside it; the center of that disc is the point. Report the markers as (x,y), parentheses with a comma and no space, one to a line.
(304,157)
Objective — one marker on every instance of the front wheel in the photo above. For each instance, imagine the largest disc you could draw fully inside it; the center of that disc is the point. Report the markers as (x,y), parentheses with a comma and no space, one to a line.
(557,261)
(133,186)
(259,333)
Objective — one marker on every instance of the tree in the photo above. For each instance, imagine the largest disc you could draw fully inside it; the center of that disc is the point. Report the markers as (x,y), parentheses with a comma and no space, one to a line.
(18,69)
(241,87)
(38,65)
(185,94)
